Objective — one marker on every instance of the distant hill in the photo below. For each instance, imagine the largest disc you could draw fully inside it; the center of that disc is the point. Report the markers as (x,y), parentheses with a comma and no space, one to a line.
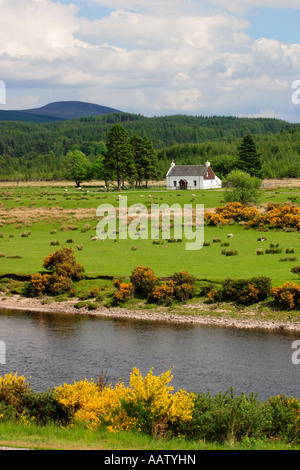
(58,111)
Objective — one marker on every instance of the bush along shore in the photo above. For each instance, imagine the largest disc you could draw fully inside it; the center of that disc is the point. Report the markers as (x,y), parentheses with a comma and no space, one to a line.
(63,287)
(150,406)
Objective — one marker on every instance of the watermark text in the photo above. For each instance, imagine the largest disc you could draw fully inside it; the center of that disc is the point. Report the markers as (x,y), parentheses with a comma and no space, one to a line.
(2,352)
(2,92)
(139,222)
(296,93)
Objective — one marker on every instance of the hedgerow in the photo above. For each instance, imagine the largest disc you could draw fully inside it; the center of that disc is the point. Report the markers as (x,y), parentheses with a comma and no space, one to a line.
(151,406)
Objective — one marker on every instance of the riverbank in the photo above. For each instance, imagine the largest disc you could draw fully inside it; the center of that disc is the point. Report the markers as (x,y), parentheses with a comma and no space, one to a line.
(198,313)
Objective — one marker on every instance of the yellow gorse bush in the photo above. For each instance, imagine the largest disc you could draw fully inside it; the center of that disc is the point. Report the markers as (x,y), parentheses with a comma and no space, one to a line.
(154,391)
(12,389)
(147,401)
(276,216)
(287,295)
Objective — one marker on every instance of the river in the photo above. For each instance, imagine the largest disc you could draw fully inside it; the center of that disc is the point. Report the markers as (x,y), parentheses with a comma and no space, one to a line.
(50,349)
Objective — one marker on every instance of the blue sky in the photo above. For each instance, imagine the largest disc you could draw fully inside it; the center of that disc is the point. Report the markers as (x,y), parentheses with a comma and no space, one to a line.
(277,23)
(153,57)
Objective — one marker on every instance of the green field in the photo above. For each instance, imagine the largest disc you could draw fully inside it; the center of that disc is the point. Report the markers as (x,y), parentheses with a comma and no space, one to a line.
(41,210)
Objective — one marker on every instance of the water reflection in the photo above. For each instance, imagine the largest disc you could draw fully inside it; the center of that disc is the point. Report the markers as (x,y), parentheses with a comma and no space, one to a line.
(52,349)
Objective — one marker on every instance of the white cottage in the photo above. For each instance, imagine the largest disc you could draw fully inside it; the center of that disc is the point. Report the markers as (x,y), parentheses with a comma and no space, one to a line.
(192,177)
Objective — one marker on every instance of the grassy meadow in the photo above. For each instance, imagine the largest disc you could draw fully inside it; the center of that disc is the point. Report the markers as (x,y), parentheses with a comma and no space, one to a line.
(36,221)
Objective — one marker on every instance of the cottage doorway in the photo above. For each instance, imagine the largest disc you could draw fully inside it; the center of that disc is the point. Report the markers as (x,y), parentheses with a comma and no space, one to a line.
(183,184)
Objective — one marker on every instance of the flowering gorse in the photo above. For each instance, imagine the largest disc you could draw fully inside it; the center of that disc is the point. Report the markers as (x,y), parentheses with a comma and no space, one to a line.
(12,389)
(287,295)
(146,402)
(276,216)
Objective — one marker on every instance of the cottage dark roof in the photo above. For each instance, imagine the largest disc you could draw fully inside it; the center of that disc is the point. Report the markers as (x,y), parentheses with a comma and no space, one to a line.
(188,170)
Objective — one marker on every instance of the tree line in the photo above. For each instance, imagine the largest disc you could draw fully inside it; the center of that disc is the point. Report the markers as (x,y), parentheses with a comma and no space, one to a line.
(122,159)
(38,150)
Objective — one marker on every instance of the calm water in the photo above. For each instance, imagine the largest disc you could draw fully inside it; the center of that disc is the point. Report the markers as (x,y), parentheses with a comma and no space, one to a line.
(52,349)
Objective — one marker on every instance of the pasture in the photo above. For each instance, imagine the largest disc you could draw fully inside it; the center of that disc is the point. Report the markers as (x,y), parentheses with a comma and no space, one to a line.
(35,221)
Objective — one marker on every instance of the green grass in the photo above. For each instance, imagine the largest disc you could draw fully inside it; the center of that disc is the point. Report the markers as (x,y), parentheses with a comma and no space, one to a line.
(118,258)
(51,437)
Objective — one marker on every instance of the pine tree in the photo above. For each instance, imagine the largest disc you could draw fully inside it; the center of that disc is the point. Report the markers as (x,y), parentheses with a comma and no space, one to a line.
(138,151)
(249,159)
(150,172)
(118,163)
(144,158)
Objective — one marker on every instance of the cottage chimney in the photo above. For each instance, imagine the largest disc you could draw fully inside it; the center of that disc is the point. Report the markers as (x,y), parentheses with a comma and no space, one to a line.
(207,164)
(172,164)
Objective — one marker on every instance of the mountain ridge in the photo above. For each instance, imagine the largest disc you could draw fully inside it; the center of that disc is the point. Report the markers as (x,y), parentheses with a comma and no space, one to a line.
(57,111)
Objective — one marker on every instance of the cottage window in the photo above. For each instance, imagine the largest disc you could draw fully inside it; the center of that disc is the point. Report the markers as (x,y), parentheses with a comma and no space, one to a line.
(195,183)
(175,184)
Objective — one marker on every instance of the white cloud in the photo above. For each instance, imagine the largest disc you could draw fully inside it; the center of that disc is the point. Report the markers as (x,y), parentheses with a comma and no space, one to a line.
(149,58)
(239,6)
(36,28)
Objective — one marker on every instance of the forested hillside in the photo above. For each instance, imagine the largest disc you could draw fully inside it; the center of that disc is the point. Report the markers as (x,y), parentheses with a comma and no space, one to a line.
(36,150)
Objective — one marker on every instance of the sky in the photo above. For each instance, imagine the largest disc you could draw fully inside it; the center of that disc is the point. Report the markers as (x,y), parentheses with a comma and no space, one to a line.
(153,57)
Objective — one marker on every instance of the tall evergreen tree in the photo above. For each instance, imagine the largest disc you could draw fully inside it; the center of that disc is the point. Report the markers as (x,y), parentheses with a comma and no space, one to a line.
(249,159)
(145,159)
(150,172)
(118,163)
(138,152)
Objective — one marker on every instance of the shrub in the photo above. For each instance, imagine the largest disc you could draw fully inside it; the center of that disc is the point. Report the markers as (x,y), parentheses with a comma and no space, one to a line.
(285,414)
(246,291)
(273,250)
(63,263)
(229,252)
(286,217)
(162,294)
(125,292)
(12,389)
(183,285)
(183,277)
(94,292)
(184,291)
(146,403)
(41,284)
(143,280)
(59,284)
(287,295)
(37,286)
(228,417)
(64,269)
(296,270)
(44,408)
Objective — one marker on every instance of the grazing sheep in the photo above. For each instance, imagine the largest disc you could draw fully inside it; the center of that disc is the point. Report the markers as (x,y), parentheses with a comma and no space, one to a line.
(94,239)
(229,235)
